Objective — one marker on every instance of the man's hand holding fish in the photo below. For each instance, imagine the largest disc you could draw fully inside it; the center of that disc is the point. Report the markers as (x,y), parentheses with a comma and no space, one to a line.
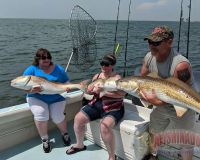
(151,97)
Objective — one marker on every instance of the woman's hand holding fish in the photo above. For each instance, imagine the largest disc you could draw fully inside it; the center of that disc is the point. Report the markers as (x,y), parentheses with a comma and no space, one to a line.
(90,88)
(94,89)
(97,90)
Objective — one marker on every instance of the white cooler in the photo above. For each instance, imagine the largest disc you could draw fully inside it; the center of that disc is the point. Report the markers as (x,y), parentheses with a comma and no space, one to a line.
(131,133)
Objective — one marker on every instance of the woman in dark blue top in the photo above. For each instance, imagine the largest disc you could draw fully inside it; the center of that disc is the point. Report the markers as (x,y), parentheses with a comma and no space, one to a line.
(43,106)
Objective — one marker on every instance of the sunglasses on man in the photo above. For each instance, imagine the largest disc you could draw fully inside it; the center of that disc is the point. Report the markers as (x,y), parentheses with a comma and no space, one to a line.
(154,43)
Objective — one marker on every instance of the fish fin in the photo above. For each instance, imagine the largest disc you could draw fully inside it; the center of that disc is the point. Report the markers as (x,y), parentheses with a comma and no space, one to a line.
(102,93)
(183,85)
(88,96)
(135,92)
(40,86)
(145,103)
(161,95)
(85,95)
(64,94)
(36,86)
(153,75)
(175,81)
(180,111)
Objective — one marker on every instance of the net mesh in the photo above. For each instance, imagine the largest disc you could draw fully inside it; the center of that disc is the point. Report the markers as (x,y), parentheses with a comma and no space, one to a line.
(83,30)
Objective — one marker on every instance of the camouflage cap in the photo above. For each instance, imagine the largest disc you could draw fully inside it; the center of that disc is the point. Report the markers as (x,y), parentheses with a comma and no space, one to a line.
(160,33)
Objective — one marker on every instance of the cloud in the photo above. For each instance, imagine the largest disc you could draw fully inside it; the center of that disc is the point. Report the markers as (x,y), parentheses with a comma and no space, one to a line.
(150,5)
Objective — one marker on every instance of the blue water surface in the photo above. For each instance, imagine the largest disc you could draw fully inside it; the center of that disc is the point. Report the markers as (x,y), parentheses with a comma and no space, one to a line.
(20,38)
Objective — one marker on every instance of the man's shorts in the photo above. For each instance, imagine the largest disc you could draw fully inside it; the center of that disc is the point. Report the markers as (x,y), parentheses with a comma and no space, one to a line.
(164,118)
(95,111)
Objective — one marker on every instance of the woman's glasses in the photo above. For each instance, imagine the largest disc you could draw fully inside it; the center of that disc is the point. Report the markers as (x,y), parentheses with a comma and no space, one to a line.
(44,57)
(154,43)
(104,64)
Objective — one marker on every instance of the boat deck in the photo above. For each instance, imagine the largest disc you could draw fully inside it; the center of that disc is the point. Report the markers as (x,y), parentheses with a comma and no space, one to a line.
(32,150)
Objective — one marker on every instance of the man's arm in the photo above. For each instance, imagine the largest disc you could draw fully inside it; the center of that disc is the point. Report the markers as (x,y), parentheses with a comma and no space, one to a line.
(144,70)
(183,72)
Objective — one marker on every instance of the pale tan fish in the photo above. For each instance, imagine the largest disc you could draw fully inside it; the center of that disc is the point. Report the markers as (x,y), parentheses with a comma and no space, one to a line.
(171,90)
(28,82)
(95,84)
(99,83)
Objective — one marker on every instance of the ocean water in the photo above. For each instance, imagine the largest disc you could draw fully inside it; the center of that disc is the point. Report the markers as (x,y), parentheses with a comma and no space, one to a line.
(20,38)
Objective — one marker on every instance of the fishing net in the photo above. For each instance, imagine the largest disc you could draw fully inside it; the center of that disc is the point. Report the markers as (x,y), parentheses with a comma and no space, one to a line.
(83,30)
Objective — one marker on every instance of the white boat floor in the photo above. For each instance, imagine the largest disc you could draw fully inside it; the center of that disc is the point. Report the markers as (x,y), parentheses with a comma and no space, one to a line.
(32,150)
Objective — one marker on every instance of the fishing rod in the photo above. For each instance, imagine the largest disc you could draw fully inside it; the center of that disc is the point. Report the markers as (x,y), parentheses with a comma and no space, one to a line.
(180,24)
(116,28)
(127,31)
(188,33)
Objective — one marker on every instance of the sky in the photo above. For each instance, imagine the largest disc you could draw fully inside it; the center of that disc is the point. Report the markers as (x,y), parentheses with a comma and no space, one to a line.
(151,10)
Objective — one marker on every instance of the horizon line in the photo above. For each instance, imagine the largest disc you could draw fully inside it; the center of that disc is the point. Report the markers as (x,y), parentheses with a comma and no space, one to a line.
(95,19)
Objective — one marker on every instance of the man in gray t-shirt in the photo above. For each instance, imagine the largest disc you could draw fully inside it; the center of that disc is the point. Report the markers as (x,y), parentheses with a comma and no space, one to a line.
(166,62)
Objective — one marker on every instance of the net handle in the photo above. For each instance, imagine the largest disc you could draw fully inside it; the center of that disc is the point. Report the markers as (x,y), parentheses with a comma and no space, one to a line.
(69,61)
